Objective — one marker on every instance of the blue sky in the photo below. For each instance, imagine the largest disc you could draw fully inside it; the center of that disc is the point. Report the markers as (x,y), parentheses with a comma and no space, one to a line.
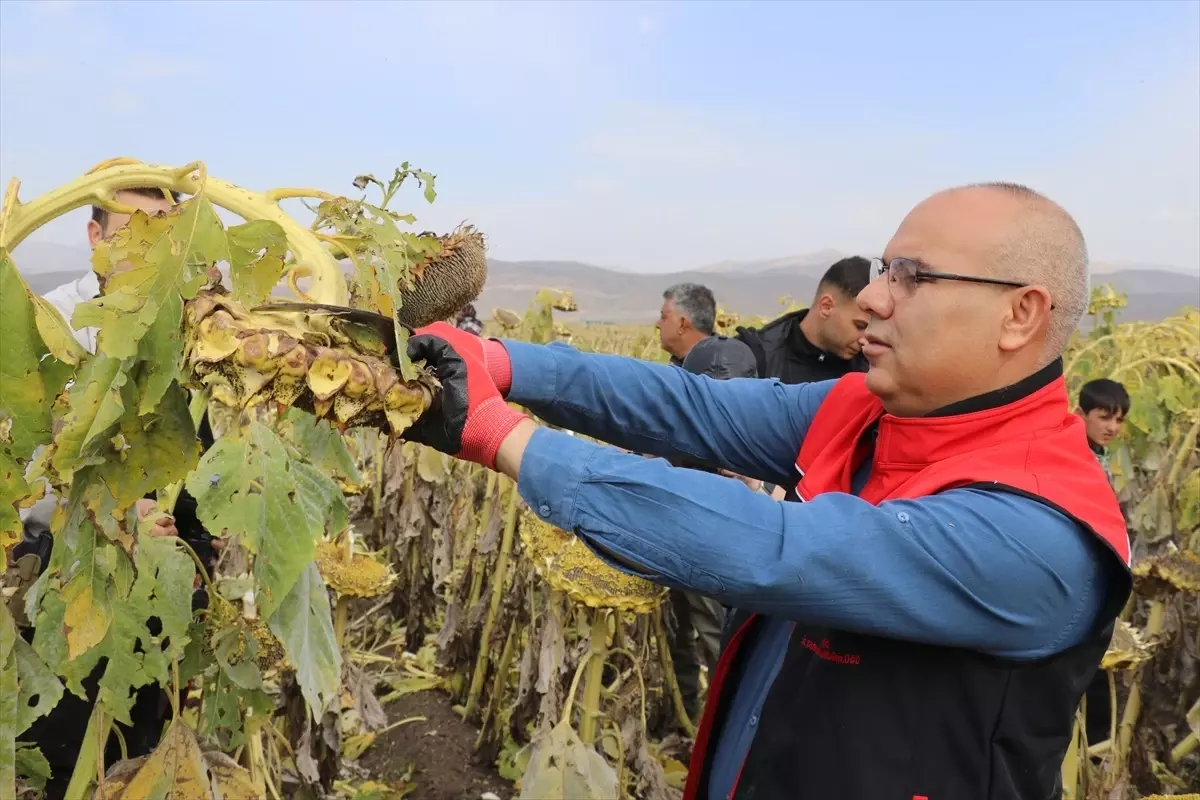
(650,136)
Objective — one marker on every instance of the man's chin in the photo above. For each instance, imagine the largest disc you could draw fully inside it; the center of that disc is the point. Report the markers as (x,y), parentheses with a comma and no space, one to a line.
(879,381)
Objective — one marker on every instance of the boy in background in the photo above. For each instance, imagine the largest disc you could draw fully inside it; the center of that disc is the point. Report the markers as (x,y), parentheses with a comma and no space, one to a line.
(1103,404)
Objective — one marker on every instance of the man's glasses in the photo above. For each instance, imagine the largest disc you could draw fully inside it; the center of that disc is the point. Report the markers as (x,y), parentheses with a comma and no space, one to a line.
(905,273)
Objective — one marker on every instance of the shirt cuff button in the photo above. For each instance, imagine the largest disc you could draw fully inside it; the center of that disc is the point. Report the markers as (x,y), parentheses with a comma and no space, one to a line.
(544,510)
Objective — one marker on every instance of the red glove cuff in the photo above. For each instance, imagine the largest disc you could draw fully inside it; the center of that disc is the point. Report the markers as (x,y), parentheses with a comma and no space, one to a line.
(499,365)
(486,428)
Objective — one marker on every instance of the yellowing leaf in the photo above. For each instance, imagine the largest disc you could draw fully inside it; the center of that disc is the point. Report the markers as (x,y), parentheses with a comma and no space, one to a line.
(13,491)
(354,746)
(102,610)
(29,381)
(431,466)
(23,398)
(178,770)
(8,703)
(255,251)
(96,401)
(676,772)
(561,766)
(56,333)
(160,448)
(88,613)
(148,262)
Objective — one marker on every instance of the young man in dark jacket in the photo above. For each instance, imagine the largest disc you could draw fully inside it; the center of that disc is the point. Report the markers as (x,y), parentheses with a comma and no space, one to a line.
(821,342)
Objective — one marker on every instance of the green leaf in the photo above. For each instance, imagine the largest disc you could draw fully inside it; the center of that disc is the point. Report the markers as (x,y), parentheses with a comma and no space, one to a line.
(32,766)
(259,489)
(8,703)
(23,401)
(223,708)
(56,333)
(323,447)
(162,591)
(149,452)
(256,252)
(96,401)
(238,640)
(194,660)
(303,624)
(38,690)
(161,353)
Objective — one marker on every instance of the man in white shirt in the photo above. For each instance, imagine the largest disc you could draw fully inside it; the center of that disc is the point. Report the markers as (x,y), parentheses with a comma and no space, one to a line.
(102,225)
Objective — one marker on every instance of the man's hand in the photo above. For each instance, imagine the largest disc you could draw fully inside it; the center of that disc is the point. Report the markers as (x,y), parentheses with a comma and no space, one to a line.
(469,418)
(753,483)
(164,526)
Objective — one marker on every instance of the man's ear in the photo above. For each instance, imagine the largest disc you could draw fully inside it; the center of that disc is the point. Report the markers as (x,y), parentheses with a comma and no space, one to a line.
(826,305)
(1030,313)
(1079,413)
(95,233)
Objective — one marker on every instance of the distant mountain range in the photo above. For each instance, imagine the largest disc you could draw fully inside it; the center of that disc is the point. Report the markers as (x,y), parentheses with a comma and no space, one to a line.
(749,288)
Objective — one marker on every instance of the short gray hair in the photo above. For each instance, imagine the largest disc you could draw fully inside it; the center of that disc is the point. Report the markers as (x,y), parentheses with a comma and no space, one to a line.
(695,302)
(1046,248)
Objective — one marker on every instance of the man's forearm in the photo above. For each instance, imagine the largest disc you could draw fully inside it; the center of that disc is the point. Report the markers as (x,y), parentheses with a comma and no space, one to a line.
(750,427)
(512,449)
(966,568)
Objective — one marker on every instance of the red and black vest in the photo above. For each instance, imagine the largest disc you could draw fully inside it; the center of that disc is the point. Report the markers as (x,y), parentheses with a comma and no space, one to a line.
(858,717)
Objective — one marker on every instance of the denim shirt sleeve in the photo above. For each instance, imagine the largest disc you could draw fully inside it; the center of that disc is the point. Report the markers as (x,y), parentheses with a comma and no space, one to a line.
(750,426)
(985,570)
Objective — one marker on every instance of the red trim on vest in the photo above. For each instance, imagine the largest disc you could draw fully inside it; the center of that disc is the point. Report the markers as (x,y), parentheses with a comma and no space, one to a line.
(1033,445)
(720,673)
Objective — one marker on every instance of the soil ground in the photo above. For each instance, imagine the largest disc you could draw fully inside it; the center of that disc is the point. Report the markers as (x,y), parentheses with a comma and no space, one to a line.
(441,750)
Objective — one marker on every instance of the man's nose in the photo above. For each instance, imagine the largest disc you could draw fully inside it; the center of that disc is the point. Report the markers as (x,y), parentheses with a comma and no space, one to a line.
(876,298)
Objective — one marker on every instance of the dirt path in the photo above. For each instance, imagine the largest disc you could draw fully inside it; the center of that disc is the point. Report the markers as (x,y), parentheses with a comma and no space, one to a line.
(441,750)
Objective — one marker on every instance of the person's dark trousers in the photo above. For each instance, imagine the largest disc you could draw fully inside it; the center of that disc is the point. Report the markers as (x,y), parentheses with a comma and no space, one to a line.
(697,639)
(1099,709)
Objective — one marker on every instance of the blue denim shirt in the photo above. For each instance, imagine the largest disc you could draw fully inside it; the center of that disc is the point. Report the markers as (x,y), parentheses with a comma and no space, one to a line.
(993,572)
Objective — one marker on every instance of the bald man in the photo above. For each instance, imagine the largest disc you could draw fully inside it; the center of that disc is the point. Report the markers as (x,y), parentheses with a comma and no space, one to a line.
(923,622)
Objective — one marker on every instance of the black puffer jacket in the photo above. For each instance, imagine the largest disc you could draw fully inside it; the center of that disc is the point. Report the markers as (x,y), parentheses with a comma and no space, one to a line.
(784,352)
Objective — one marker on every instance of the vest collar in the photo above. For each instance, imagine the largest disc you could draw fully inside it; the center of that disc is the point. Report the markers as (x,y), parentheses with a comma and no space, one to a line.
(1038,402)
(1008,394)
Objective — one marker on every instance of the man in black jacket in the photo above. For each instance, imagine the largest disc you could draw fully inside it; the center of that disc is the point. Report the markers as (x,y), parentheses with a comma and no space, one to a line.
(821,342)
